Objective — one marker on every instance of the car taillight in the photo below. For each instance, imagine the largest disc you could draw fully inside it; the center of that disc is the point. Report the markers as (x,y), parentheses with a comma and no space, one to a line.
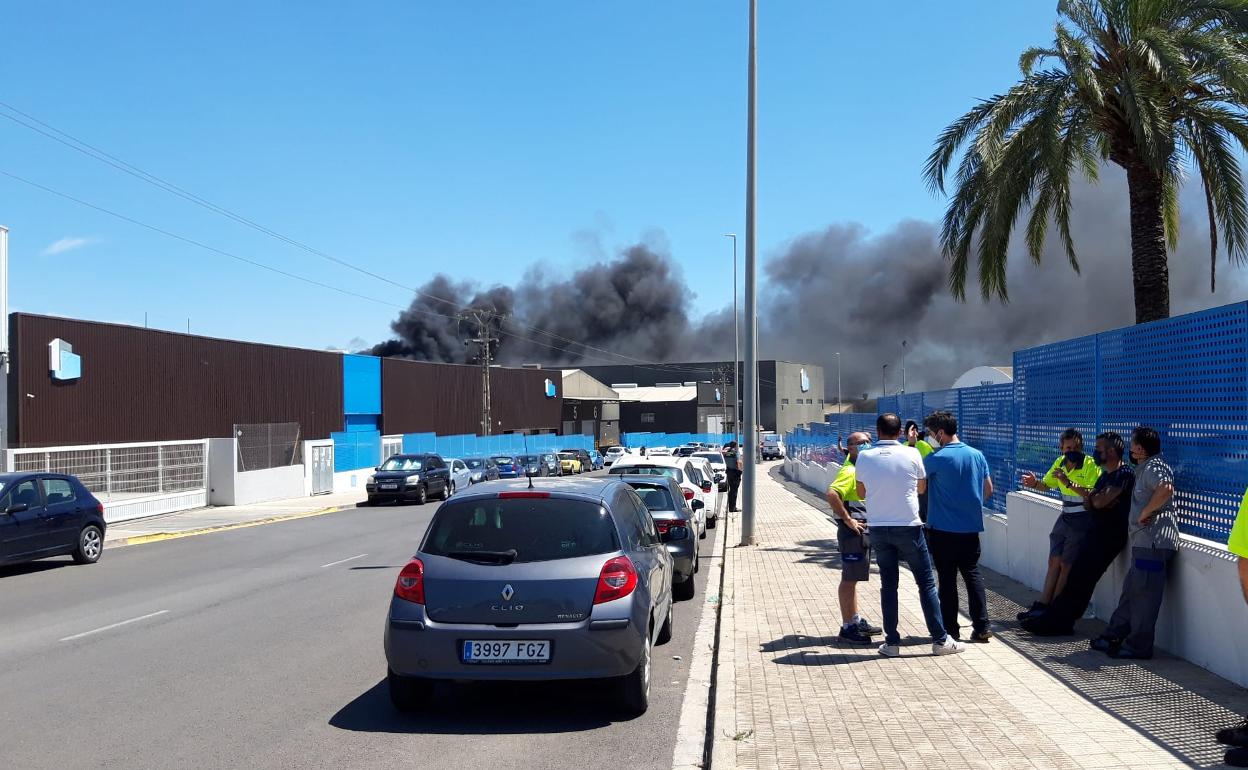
(411,583)
(688,494)
(617,580)
(663,525)
(99,507)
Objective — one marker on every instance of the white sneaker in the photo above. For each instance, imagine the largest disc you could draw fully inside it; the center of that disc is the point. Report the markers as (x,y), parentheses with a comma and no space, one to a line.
(950,647)
(890,650)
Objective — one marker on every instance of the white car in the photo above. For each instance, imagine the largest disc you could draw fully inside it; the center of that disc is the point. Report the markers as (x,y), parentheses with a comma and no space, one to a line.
(659,451)
(461,476)
(716,459)
(685,472)
(613,454)
(708,481)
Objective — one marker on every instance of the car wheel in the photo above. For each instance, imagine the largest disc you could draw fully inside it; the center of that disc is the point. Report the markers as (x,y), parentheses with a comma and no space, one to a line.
(685,589)
(702,534)
(446,492)
(422,494)
(635,688)
(454,488)
(369,501)
(665,633)
(90,545)
(409,693)
(710,523)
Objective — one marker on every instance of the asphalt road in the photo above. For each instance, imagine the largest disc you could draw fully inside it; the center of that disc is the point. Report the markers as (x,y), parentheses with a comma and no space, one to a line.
(262,647)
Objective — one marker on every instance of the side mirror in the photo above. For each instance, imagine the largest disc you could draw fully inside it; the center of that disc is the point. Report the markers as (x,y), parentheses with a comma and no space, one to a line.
(674,535)
(19,508)
(706,486)
(697,505)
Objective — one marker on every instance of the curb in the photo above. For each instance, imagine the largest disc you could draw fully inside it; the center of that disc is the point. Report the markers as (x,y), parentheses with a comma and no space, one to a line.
(157,537)
(697,708)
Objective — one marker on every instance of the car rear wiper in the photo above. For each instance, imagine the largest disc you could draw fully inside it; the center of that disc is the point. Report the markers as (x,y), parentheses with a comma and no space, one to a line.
(486,557)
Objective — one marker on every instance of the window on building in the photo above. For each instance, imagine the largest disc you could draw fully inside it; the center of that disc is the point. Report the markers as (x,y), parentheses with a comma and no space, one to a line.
(784,401)
(647,418)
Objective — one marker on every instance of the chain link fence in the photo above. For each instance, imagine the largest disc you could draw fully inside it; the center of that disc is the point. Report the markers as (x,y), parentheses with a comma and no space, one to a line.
(268,445)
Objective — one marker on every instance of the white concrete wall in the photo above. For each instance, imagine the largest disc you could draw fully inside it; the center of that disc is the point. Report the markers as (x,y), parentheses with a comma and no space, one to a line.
(221,470)
(1203,619)
(352,481)
(226,486)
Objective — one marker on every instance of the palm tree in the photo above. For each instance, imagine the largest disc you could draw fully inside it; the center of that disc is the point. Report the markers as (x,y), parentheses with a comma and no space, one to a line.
(1158,87)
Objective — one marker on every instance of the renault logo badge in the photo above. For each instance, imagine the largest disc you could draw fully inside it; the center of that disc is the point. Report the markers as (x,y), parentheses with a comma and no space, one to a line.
(508,592)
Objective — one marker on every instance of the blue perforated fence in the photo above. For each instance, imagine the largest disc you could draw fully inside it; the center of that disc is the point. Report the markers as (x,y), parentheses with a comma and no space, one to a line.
(1187,377)
(358,450)
(638,440)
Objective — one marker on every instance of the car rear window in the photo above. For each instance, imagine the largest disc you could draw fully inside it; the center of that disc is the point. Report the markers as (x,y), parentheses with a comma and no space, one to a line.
(537,529)
(474,462)
(711,457)
(504,460)
(657,499)
(649,470)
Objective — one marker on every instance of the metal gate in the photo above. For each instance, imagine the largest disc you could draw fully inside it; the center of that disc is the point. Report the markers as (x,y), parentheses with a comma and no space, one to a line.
(322,470)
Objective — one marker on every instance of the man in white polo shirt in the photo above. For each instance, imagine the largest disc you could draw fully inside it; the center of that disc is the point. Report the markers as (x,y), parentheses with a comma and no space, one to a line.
(890,479)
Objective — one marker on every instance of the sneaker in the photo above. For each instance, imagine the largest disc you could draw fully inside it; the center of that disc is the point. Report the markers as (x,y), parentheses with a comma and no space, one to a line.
(853,635)
(1126,653)
(951,646)
(1236,757)
(1105,644)
(868,629)
(1234,736)
(890,650)
(981,637)
(1037,608)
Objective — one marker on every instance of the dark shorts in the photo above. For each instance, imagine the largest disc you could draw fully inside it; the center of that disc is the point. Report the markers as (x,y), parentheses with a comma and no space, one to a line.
(1068,536)
(855,554)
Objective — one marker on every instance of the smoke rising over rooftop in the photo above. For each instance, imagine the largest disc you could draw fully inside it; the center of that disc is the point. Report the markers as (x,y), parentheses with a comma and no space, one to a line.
(841,289)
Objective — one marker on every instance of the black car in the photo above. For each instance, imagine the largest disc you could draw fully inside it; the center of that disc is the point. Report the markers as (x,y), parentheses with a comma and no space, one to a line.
(670,511)
(410,477)
(533,465)
(483,469)
(587,462)
(49,514)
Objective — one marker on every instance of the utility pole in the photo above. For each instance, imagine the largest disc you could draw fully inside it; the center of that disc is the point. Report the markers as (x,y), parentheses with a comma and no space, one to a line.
(748,508)
(484,341)
(839,409)
(884,379)
(4,337)
(903,366)
(736,348)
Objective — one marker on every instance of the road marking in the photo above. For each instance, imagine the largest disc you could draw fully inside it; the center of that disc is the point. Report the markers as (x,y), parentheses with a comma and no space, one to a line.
(159,536)
(343,561)
(114,625)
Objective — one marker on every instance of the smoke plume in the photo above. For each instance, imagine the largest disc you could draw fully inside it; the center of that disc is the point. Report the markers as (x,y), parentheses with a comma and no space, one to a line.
(842,289)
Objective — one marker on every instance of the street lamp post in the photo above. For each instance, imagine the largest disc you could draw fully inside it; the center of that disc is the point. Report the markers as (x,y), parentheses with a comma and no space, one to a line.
(903,366)
(839,409)
(736,347)
(884,378)
(748,508)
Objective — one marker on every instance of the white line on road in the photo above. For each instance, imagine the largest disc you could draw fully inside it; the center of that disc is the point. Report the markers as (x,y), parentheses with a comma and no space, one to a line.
(343,561)
(114,625)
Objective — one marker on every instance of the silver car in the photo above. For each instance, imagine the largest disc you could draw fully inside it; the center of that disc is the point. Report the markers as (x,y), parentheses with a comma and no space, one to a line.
(461,475)
(567,579)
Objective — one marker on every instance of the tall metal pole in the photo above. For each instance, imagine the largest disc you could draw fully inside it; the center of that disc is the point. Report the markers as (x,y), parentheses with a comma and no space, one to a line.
(839,408)
(736,347)
(4,337)
(751,299)
(903,366)
(884,380)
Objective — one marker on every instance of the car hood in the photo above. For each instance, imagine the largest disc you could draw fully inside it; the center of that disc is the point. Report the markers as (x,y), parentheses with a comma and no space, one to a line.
(395,475)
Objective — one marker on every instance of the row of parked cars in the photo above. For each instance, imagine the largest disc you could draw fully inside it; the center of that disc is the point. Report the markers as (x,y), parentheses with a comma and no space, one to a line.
(551,579)
(420,477)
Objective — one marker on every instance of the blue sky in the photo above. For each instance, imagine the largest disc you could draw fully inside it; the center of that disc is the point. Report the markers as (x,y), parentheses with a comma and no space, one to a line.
(471,138)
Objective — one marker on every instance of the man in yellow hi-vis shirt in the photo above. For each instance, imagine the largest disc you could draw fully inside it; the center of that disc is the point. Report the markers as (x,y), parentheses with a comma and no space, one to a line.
(1072,527)
(854,543)
(1237,737)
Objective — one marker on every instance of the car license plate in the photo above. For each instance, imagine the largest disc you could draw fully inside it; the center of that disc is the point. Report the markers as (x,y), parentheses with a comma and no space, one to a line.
(506,651)
(388,486)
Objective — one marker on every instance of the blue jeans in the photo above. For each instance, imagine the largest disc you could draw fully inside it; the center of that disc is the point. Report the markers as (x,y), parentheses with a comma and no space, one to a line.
(891,546)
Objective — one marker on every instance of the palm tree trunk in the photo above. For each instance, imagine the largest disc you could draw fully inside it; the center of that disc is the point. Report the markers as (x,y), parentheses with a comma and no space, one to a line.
(1150,271)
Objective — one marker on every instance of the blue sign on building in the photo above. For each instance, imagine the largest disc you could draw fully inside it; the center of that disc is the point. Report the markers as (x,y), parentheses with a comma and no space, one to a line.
(551,392)
(63,363)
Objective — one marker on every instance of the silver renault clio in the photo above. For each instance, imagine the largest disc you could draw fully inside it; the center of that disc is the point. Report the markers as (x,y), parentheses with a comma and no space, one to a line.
(561,579)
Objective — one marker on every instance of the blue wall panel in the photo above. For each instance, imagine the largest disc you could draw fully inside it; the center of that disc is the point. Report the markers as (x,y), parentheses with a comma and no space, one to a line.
(361,384)
(356,450)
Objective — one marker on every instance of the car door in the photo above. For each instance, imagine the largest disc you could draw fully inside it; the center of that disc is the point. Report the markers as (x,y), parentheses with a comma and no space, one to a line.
(442,474)
(63,512)
(23,527)
(646,551)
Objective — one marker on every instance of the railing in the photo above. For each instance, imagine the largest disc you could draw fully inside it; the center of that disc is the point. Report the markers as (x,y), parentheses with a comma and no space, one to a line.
(122,472)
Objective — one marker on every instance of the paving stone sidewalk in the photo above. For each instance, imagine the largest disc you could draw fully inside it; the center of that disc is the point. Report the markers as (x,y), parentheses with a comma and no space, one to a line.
(790,696)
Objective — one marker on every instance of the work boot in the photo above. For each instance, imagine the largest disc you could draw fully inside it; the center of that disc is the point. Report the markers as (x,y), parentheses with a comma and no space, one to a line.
(1237,757)
(1037,608)
(865,627)
(1234,736)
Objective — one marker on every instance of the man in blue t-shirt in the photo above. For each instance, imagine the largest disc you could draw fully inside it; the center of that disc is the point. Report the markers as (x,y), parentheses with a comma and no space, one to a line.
(958,482)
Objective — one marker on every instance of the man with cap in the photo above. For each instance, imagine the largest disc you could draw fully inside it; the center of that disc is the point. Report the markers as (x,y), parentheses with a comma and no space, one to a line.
(732,459)
(853,542)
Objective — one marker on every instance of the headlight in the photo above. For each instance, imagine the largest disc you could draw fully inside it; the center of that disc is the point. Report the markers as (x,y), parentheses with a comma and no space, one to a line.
(413,481)
(372,479)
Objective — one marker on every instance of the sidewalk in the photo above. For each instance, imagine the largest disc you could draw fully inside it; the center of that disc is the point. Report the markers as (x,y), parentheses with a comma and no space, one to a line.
(789,696)
(183,523)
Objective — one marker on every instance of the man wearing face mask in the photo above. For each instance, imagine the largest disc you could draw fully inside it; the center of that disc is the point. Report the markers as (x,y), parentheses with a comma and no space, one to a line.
(958,482)
(1072,526)
(853,542)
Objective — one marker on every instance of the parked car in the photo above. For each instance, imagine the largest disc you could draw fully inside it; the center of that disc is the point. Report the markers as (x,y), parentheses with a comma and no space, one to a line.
(718,465)
(613,453)
(567,581)
(682,470)
(49,514)
(772,448)
(715,498)
(587,462)
(483,469)
(414,477)
(659,451)
(668,507)
(532,465)
(685,451)
(461,475)
(551,461)
(597,460)
(569,463)
(509,467)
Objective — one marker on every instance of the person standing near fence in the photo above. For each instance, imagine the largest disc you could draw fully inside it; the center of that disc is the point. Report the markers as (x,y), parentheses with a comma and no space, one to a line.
(732,462)
(1154,540)
(1237,737)
(958,482)
(1072,527)
(890,477)
(853,542)
(913,437)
